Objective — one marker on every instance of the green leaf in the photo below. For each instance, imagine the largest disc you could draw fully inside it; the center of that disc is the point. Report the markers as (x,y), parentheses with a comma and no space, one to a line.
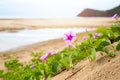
(9,76)
(80,56)
(66,62)
(108,52)
(99,48)
(117,39)
(49,78)
(58,56)
(90,34)
(93,54)
(48,69)
(1,73)
(70,61)
(97,43)
(55,67)
(112,54)
(102,30)
(118,47)
(13,64)
(115,28)
(104,43)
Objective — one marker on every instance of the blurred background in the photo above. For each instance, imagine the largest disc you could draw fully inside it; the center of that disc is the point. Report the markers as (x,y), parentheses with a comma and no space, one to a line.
(51,8)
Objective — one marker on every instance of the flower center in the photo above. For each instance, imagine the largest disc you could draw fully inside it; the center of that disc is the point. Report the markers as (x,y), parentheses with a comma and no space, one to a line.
(70,37)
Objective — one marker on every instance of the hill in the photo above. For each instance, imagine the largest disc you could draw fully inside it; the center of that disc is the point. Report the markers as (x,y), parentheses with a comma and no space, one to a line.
(98,13)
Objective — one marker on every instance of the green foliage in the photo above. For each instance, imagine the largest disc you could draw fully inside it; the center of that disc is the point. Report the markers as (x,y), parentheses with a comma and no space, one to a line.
(117,38)
(108,52)
(56,67)
(93,54)
(1,73)
(104,43)
(115,28)
(102,30)
(118,47)
(12,64)
(111,33)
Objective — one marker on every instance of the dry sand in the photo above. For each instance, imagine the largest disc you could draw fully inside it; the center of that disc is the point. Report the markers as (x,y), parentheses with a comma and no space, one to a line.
(104,68)
(18,24)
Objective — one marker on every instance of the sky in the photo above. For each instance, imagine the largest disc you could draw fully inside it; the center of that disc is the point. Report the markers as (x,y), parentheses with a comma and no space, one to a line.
(51,8)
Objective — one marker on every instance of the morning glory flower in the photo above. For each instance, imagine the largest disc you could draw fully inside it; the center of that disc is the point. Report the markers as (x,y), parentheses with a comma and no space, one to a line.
(44,57)
(96,34)
(69,44)
(69,37)
(115,16)
(54,53)
(85,38)
(32,67)
(49,52)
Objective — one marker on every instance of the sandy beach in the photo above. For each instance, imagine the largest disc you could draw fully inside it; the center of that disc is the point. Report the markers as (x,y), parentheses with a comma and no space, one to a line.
(23,53)
(19,24)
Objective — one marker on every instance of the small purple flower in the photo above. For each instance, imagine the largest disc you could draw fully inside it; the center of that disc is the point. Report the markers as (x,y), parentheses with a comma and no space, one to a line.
(69,37)
(69,44)
(49,52)
(44,57)
(85,38)
(32,67)
(115,16)
(96,34)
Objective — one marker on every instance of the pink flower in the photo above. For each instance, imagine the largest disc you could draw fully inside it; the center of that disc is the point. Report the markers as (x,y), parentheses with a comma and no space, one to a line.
(85,38)
(69,44)
(96,34)
(56,52)
(115,16)
(69,37)
(32,67)
(44,57)
(53,53)
(49,52)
